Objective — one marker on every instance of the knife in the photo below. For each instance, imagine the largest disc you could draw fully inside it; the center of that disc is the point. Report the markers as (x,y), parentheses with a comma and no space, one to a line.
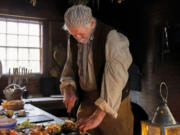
(69,115)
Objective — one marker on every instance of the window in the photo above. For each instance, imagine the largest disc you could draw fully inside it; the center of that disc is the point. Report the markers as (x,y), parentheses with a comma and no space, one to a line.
(20,44)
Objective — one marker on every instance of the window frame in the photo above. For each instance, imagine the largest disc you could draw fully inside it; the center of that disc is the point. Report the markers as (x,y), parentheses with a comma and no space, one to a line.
(28,21)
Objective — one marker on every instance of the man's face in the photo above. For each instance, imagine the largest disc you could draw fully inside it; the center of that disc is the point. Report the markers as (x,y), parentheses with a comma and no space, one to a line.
(82,33)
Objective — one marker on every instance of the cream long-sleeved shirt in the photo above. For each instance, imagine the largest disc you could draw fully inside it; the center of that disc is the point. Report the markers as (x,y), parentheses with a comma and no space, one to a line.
(115,76)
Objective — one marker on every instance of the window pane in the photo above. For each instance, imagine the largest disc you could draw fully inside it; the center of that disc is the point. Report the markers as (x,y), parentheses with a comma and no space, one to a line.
(3,66)
(33,29)
(35,66)
(2,27)
(2,53)
(23,64)
(2,40)
(20,44)
(11,53)
(33,41)
(12,27)
(23,28)
(11,40)
(23,41)
(34,54)
(22,54)
(11,64)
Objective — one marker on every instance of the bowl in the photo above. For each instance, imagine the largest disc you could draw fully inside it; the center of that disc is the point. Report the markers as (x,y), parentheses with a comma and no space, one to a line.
(7,123)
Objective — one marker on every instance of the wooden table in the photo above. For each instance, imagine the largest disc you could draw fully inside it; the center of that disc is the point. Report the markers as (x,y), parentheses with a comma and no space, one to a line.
(36,115)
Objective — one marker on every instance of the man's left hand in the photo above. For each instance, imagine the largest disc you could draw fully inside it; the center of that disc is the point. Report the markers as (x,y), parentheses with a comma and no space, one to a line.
(92,122)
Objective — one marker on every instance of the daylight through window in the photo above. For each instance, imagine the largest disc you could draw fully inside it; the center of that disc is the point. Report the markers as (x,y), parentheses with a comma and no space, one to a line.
(20,44)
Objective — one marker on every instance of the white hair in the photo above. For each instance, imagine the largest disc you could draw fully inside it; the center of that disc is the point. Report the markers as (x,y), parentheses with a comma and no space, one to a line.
(77,15)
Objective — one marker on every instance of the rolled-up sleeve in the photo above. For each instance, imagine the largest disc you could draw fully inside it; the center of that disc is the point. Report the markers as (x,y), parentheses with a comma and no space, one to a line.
(118,60)
(67,76)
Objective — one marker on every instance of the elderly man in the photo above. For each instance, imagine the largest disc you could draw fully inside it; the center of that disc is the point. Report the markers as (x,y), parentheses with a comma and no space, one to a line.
(96,73)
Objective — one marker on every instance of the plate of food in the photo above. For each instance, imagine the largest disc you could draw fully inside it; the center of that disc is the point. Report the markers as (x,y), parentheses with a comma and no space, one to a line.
(21,113)
(67,128)
(70,128)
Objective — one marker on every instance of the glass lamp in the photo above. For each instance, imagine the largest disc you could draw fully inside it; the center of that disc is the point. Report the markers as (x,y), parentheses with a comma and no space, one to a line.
(163,122)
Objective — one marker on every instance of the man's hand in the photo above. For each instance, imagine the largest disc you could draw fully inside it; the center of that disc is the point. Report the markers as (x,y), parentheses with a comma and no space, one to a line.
(92,122)
(69,97)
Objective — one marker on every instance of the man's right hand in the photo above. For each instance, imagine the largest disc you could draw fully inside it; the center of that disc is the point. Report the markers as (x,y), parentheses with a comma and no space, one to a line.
(69,97)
